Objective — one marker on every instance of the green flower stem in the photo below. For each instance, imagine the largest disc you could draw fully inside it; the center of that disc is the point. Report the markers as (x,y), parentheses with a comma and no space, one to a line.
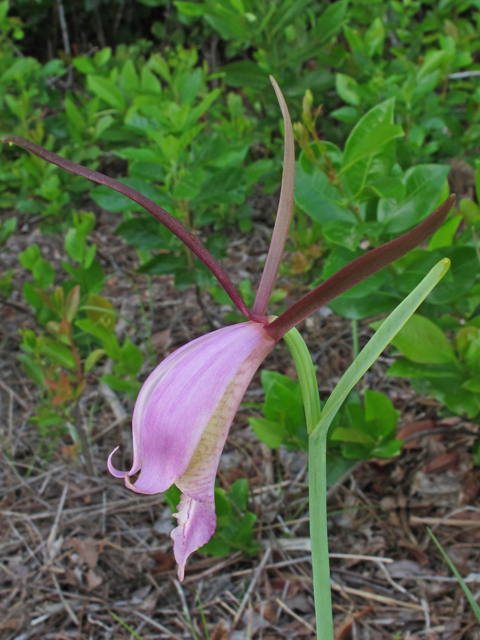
(317,475)
(318,428)
(306,377)
(317,465)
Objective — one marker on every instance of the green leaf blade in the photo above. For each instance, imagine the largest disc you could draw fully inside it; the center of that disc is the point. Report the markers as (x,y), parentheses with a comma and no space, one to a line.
(389,329)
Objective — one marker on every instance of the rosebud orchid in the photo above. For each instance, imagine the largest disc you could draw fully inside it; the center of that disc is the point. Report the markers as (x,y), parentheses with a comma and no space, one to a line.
(186,406)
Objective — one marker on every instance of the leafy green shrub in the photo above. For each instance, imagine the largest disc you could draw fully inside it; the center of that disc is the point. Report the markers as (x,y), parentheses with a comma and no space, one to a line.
(357,432)
(79,332)
(419,53)
(447,370)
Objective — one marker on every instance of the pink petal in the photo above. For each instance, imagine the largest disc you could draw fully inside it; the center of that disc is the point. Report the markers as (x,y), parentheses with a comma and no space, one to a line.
(178,399)
(181,421)
(196,525)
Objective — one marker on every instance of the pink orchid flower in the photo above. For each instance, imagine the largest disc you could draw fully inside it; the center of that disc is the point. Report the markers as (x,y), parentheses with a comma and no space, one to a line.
(186,406)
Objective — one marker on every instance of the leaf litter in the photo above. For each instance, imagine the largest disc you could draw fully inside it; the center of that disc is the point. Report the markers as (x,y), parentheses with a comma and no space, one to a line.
(83,558)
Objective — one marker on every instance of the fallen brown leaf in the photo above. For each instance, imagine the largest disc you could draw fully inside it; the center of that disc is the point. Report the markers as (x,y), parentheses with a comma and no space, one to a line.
(93,579)
(415,427)
(442,463)
(87,550)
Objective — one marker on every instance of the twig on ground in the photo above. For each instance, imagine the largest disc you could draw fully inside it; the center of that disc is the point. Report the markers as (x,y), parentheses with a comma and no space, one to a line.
(14,395)
(251,586)
(373,596)
(66,606)
(50,550)
(294,615)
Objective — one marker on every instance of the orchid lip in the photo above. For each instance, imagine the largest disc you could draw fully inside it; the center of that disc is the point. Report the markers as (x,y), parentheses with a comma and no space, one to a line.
(181,421)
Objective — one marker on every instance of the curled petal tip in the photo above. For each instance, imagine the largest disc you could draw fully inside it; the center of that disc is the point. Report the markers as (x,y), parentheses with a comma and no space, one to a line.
(115,472)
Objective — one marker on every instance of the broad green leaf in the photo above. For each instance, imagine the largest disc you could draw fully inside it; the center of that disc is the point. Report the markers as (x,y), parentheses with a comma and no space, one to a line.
(337,466)
(380,413)
(109,340)
(464,273)
(358,436)
(424,184)
(470,210)
(129,77)
(433,60)
(367,306)
(71,303)
(318,197)
(162,264)
(106,91)
(420,340)
(130,387)
(216,547)
(283,401)
(92,359)
(372,132)
(343,233)
(370,170)
(385,187)
(198,111)
(149,82)
(331,21)
(245,74)
(285,16)
(131,359)
(387,449)
(346,114)
(195,9)
(392,325)
(142,233)
(33,370)
(58,353)
(374,37)
(269,432)
(404,368)
(160,66)
(238,493)
(3,9)
(229,24)
(356,451)
(347,89)
(103,56)
(225,186)
(74,115)
(472,385)
(462,402)
(101,312)
(444,236)
(29,257)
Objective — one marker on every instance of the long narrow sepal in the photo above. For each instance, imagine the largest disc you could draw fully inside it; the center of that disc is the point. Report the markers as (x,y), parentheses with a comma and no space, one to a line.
(284,213)
(162,216)
(357,271)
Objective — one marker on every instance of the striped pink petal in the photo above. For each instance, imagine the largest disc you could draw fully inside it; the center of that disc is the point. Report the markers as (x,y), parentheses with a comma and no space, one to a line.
(181,421)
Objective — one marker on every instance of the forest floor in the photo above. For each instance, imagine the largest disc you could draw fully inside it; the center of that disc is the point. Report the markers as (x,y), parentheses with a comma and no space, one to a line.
(82,557)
